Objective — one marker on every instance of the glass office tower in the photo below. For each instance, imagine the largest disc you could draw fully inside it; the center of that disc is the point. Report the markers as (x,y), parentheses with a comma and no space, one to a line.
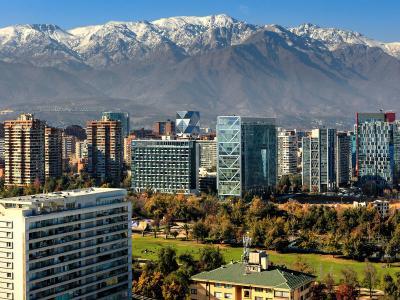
(247,155)
(187,123)
(376,153)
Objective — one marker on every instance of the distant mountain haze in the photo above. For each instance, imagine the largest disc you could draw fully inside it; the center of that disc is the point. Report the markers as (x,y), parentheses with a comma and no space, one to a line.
(304,76)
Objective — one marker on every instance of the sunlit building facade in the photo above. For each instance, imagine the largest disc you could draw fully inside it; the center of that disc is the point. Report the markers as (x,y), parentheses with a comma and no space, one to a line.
(166,166)
(66,245)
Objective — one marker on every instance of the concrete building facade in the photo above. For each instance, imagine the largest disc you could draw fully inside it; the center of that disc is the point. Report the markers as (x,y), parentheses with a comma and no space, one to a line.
(24,150)
(166,166)
(66,245)
(105,149)
(318,160)
(53,166)
(287,153)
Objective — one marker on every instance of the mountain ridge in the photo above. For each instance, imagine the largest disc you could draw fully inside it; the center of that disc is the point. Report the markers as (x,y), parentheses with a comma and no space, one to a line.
(305,75)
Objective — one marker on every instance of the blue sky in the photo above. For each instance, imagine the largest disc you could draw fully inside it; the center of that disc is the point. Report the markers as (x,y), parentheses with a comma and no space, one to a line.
(379,19)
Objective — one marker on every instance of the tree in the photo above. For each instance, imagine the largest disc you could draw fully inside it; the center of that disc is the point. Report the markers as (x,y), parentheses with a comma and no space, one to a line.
(318,291)
(389,286)
(166,261)
(349,277)
(173,288)
(186,228)
(301,265)
(210,259)
(200,231)
(188,263)
(175,233)
(329,282)
(346,292)
(149,284)
(370,278)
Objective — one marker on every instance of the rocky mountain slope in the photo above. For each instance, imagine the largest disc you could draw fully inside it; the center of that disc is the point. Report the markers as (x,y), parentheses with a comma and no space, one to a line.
(304,76)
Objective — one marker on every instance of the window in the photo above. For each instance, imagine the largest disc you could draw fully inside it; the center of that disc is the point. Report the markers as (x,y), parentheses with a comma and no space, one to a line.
(228,296)
(281,294)
(228,286)
(218,295)
(193,291)
(259,290)
(246,293)
(218,285)
(258,298)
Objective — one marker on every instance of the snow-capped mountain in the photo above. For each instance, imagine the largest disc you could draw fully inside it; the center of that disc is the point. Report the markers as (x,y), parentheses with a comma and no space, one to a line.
(117,42)
(335,38)
(215,64)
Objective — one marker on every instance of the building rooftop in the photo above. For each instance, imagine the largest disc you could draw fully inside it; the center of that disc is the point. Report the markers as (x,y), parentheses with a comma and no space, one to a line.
(274,277)
(42,198)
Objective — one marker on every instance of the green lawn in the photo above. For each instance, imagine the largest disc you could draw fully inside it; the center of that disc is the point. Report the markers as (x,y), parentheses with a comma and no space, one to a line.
(322,264)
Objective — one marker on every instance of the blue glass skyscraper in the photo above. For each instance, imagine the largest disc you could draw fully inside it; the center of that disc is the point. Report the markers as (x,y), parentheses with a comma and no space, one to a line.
(247,155)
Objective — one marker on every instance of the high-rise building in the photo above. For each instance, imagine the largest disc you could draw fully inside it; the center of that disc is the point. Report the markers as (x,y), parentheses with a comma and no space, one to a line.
(343,158)
(127,149)
(287,153)
(68,146)
(375,155)
(24,150)
(187,123)
(208,154)
(53,152)
(164,128)
(318,160)
(167,166)
(66,245)
(123,117)
(247,154)
(81,149)
(105,153)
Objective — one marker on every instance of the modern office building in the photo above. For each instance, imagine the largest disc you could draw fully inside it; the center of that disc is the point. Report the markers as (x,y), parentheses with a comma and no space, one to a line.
(187,123)
(66,245)
(396,152)
(256,279)
(208,154)
(164,128)
(166,166)
(287,153)
(53,166)
(375,147)
(123,117)
(247,154)
(24,150)
(318,160)
(343,158)
(105,149)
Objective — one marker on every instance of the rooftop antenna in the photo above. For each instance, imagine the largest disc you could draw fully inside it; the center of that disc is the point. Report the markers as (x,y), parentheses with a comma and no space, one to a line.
(246,248)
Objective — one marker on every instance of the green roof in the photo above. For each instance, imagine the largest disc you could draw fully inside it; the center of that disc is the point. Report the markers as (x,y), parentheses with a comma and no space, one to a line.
(274,277)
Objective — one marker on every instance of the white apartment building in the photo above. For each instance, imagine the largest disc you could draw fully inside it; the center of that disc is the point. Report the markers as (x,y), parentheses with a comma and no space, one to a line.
(287,152)
(66,245)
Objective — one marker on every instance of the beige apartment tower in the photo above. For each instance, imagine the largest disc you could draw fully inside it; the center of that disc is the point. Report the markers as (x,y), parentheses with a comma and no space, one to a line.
(66,245)
(105,149)
(24,150)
